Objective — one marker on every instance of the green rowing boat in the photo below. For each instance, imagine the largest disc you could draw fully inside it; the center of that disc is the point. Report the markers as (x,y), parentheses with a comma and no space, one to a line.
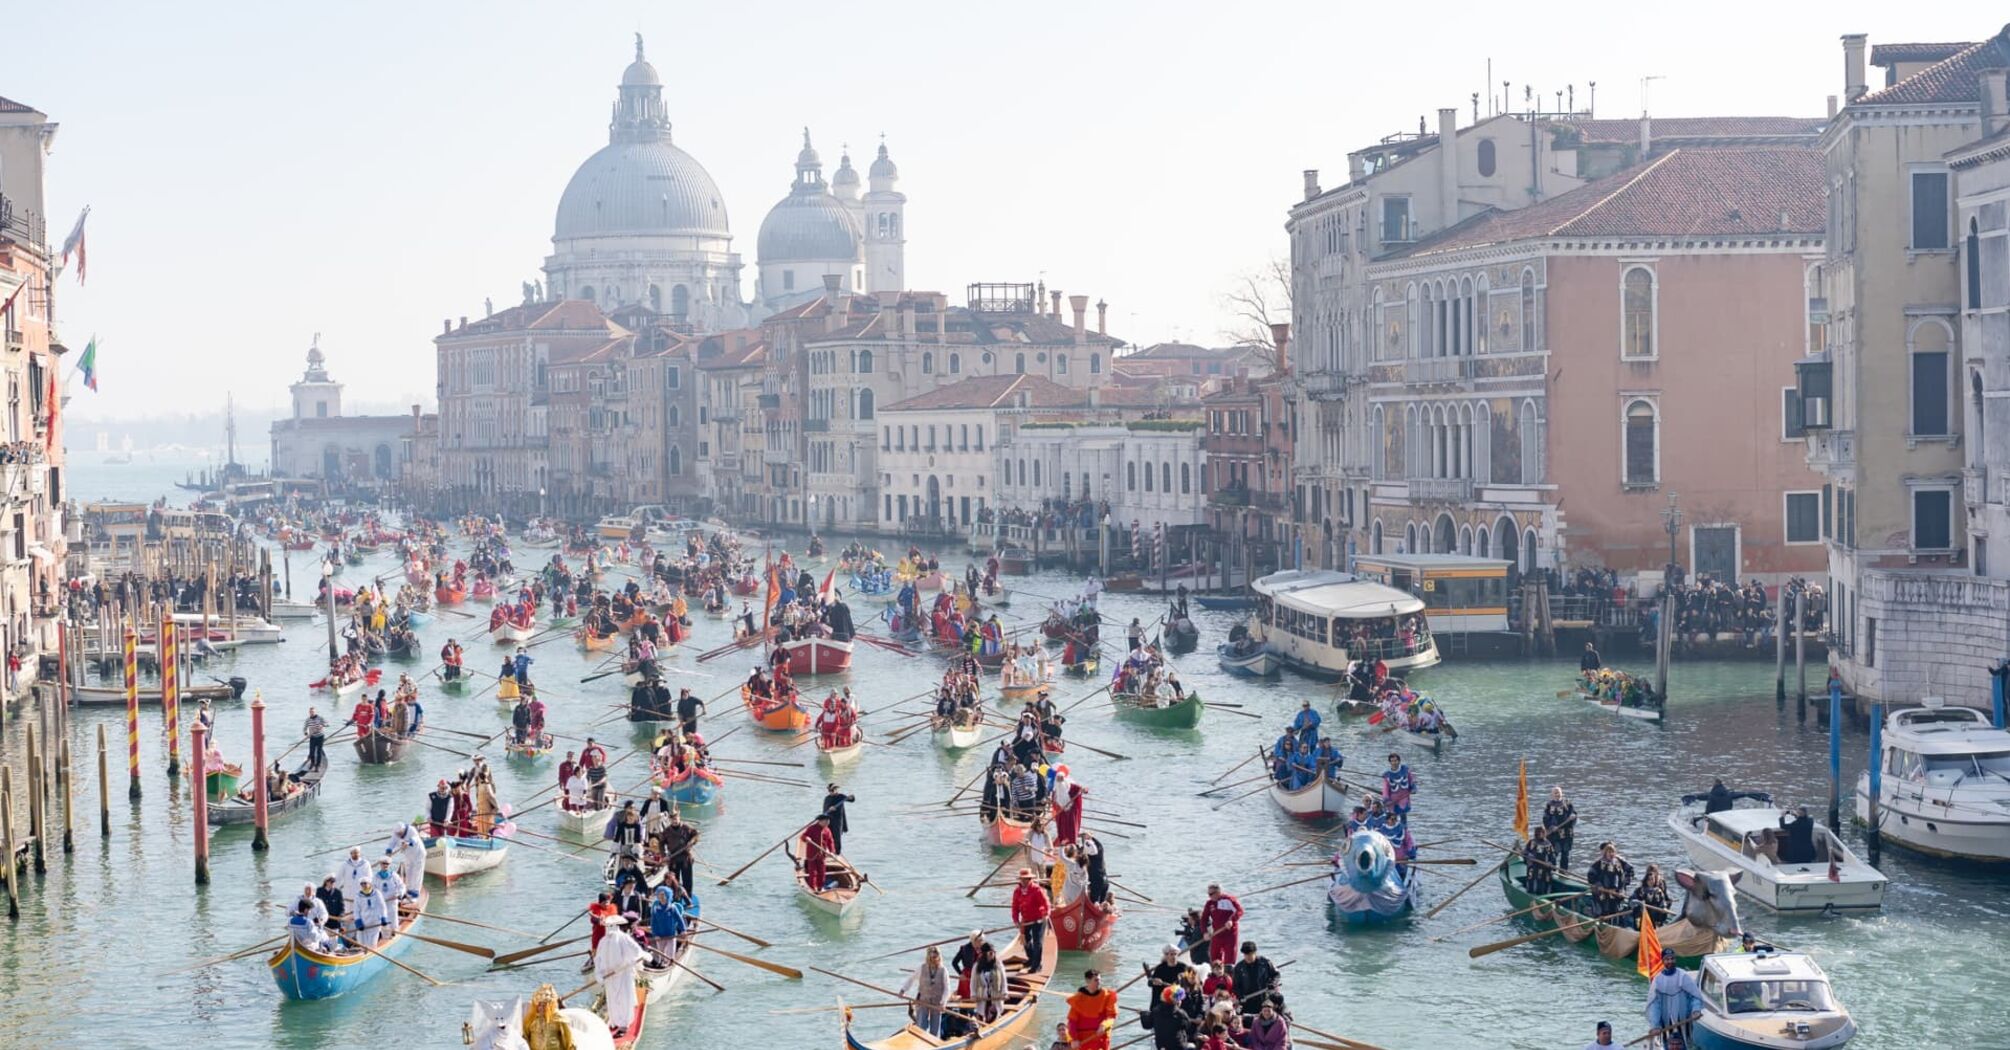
(1689,941)
(1180,714)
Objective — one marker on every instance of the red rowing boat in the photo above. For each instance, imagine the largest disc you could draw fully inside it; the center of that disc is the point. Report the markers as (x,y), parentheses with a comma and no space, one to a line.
(813,656)
(1082,926)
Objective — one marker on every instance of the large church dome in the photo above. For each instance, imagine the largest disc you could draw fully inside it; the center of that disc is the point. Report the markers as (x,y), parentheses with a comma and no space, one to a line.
(645,187)
(810,224)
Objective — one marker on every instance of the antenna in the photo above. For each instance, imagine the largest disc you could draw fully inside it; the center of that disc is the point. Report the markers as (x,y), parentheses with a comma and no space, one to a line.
(1644,82)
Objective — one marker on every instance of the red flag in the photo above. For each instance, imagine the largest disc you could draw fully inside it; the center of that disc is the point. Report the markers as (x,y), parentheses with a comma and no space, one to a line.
(53,402)
(828,591)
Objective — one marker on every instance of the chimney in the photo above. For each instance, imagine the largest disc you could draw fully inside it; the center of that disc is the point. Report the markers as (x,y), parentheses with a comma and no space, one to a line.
(1853,82)
(1357,167)
(1448,166)
(1056,315)
(1832,107)
(1102,317)
(464,320)
(1995,100)
(1080,304)
(446,326)
(908,328)
(1646,136)
(1280,336)
(1311,183)
(831,282)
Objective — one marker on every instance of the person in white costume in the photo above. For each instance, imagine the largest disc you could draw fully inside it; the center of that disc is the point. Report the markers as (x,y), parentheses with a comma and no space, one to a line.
(617,962)
(352,874)
(374,916)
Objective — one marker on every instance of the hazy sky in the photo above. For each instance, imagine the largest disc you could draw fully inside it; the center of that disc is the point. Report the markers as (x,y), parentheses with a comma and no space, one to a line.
(261,172)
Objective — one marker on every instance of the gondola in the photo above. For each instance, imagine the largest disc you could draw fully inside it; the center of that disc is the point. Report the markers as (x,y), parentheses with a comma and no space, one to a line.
(150,693)
(378,748)
(452,857)
(302,973)
(1003,831)
(529,749)
(1082,926)
(239,809)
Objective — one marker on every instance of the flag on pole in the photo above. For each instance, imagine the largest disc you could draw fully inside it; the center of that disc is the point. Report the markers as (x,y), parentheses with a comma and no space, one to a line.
(774,595)
(1647,958)
(1521,802)
(9,304)
(828,592)
(54,400)
(75,243)
(88,364)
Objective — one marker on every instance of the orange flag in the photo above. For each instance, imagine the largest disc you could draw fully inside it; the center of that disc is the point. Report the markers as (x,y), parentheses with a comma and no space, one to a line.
(1647,959)
(774,595)
(1521,802)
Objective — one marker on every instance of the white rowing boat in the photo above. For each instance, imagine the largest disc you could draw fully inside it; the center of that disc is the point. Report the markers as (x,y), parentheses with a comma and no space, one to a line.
(588,823)
(1321,801)
(451,857)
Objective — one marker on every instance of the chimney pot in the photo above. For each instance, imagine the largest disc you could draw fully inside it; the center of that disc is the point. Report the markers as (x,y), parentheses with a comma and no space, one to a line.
(1832,107)
(1646,136)
(1080,304)
(1356,168)
(1853,66)
(1102,317)
(1056,314)
(446,326)
(1311,183)
(1448,166)
(1280,336)
(464,320)
(831,283)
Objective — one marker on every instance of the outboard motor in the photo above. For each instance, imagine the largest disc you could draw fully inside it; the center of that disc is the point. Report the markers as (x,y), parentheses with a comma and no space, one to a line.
(237,684)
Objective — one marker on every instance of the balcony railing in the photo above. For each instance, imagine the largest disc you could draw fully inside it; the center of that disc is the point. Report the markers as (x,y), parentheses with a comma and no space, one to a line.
(22,226)
(1324,384)
(1229,498)
(1441,490)
(1437,369)
(1974,487)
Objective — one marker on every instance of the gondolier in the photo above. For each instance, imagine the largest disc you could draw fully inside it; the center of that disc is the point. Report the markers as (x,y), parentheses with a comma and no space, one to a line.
(1030,908)
(316,731)
(818,849)
(834,802)
(689,708)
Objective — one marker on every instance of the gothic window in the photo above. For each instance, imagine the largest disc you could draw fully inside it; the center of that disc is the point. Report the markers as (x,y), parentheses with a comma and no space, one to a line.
(1131,476)
(1021,366)
(1636,335)
(1185,478)
(1528,309)
(676,461)
(1165,477)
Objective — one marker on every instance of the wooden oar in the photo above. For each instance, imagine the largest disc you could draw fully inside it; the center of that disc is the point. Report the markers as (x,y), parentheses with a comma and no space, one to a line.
(1287,885)
(1233,768)
(399,965)
(1489,949)
(1244,795)
(757,859)
(1287,853)
(886,991)
(238,954)
(353,845)
(471,949)
(748,937)
(1547,900)
(1443,904)
(1352,1044)
(1664,1029)
(561,927)
(512,957)
(935,944)
(1100,751)
(479,925)
(1009,858)
(789,972)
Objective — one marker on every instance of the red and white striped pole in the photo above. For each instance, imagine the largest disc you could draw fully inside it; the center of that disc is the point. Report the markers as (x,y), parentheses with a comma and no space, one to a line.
(198,738)
(170,662)
(258,797)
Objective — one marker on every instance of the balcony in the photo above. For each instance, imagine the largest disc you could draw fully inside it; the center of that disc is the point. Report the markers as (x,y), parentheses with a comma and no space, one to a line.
(1437,369)
(775,456)
(1229,498)
(726,415)
(1325,386)
(1441,490)
(1832,451)
(21,226)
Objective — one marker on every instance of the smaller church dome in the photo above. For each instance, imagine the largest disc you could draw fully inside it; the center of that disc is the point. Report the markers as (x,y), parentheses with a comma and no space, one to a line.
(882,166)
(846,175)
(809,228)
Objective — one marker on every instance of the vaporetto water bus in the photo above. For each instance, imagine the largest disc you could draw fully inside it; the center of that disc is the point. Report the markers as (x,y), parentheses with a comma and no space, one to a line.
(1318,622)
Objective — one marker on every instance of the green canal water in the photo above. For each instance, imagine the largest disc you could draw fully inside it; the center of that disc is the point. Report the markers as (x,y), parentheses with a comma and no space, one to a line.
(85,964)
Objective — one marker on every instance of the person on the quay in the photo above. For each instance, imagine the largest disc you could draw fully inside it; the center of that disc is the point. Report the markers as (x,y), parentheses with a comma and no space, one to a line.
(1030,908)
(617,962)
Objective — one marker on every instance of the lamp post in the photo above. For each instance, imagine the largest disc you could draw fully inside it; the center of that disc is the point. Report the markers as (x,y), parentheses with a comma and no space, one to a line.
(328,595)
(1671,522)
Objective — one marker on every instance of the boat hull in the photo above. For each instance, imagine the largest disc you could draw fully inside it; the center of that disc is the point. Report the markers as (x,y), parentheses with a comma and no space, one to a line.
(1181,714)
(692,789)
(1909,822)
(1322,801)
(817,656)
(587,823)
(234,811)
(1714,1031)
(788,717)
(1788,888)
(1614,942)
(956,739)
(380,749)
(512,634)
(1080,926)
(1261,663)
(1004,832)
(450,857)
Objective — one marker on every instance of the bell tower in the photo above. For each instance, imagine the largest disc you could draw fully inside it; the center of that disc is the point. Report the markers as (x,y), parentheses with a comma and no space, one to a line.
(885,227)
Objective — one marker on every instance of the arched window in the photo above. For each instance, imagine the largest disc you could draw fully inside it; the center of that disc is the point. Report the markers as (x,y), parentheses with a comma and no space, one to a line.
(1095,364)
(1022,472)
(1148,477)
(1974,265)
(586,292)
(1928,343)
(655,299)
(864,366)
(676,417)
(1486,152)
(1636,313)
(676,461)
(927,363)
(1410,539)
(1375,536)
(865,403)
(1643,453)
(1531,445)
(955,364)
(1165,477)
(1480,548)
(1466,540)
(1131,476)
(383,461)
(1528,309)
(680,302)
(1021,366)
(1036,472)
(1528,551)
(1185,478)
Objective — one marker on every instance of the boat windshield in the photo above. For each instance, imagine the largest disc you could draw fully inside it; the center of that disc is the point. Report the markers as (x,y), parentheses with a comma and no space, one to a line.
(1752,997)
(1979,763)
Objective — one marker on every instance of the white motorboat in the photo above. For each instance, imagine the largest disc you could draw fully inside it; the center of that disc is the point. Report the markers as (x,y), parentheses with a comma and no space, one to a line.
(1768,1001)
(1945,783)
(451,857)
(284,609)
(250,630)
(1749,840)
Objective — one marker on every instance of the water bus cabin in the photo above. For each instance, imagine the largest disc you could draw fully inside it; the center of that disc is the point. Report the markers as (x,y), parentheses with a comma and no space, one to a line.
(1319,622)
(1466,598)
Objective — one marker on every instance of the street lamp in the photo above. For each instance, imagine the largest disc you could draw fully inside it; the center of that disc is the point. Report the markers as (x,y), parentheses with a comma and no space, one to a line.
(1671,520)
(328,593)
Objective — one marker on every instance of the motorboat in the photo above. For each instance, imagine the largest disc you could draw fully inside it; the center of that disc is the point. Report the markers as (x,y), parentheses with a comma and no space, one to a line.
(1249,660)
(1944,783)
(1321,621)
(1768,1001)
(1749,840)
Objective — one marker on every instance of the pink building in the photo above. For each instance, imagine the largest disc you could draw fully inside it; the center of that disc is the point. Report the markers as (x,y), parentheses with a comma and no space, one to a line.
(1547,381)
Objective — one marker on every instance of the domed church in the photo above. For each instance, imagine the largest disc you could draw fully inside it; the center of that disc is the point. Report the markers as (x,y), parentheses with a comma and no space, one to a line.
(642,222)
(826,229)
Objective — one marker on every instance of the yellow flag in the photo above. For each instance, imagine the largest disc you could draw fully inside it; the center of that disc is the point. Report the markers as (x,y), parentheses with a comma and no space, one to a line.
(1647,959)
(1521,802)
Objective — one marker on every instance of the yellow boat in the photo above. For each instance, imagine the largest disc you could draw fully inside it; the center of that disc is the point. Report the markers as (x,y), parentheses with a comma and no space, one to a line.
(1021,1002)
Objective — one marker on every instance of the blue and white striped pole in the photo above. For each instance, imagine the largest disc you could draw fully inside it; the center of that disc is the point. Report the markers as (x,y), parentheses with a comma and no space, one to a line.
(1835,752)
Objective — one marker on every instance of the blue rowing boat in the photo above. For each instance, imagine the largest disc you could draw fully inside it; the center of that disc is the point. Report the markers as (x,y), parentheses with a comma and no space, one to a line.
(302,973)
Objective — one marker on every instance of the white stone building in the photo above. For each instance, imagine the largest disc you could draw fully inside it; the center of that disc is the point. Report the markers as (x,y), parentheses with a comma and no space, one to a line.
(319,441)
(1147,471)
(827,230)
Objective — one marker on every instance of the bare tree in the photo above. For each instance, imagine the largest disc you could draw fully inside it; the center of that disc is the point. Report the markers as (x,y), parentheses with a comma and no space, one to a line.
(1259,299)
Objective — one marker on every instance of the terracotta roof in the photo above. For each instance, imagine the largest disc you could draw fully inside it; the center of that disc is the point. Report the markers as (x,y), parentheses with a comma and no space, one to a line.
(1891,54)
(993,392)
(1955,78)
(563,315)
(741,348)
(1696,129)
(1683,193)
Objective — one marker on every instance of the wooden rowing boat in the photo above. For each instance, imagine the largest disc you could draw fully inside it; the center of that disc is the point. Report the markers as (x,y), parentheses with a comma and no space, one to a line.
(1324,800)
(1084,669)
(1259,662)
(955,738)
(696,786)
(838,897)
(593,643)
(843,754)
(1082,926)
(588,823)
(239,809)
(451,857)
(1183,713)
(788,716)
(1024,985)
(537,747)
(817,656)
(302,973)
(221,782)
(377,748)
(1004,832)
(1688,941)
(507,633)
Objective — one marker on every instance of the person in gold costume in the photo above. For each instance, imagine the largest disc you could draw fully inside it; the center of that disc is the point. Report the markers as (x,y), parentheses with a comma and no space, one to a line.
(543,1029)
